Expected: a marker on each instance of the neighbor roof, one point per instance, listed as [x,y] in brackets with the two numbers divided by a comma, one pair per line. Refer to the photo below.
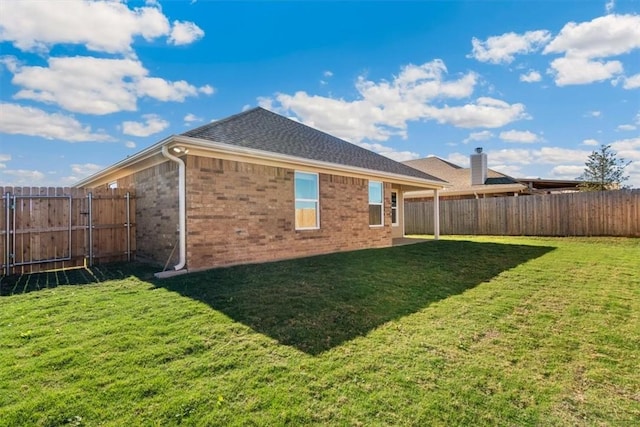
[264,130]
[460,178]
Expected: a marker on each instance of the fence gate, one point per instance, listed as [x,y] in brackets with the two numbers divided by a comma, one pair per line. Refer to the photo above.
[53,228]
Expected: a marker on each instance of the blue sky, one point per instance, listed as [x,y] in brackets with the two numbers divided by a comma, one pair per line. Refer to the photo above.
[538,84]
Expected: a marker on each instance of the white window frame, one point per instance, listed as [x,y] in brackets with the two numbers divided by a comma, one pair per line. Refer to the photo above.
[394,208]
[381,204]
[316,200]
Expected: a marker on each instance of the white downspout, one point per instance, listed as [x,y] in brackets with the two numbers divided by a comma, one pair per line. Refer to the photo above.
[436,215]
[182,211]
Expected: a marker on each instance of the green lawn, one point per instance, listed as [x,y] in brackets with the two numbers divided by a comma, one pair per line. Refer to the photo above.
[463,331]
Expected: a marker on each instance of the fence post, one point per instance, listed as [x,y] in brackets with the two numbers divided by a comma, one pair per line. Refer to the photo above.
[90,227]
[7,246]
[128,225]
[436,215]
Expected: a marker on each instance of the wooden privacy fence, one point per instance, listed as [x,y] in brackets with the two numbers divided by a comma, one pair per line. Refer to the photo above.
[46,228]
[603,213]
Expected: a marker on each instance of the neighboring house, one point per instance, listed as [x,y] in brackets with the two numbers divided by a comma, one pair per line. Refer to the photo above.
[550,186]
[258,187]
[478,181]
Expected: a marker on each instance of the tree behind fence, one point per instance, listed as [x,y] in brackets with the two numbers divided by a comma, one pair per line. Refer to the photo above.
[602,213]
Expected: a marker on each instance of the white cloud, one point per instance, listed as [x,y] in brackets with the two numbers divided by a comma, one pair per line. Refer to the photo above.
[4,158]
[511,170]
[459,159]
[19,120]
[627,149]
[191,118]
[207,89]
[164,90]
[572,70]
[152,125]
[501,49]
[103,26]
[570,172]
[86,169]
[22,177]
[586,45]
[485,112]
[384,108]
[130,144]
[184,33]
[599,38]
[594,113]
[609,6]
[626,127]
[632,82]
[95,85]
[590,142]
[544,156]
[398,156]
[554,155]
[327,75]
[388,151]
[524,137]
[78,172]
[531,77]
[478,136]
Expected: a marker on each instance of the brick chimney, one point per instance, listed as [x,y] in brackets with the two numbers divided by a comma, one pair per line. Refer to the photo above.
[478,167]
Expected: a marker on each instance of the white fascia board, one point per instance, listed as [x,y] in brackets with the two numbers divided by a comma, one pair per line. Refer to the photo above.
[147,153]
[211,147]
[296,162]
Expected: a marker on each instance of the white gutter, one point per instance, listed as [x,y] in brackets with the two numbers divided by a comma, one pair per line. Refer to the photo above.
[182,216]
[200,146]
[220,147]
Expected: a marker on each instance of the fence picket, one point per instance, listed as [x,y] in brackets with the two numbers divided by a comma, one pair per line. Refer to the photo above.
[49,224]
[606,213]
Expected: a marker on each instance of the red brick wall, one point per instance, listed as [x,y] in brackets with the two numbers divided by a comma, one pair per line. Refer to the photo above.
[156,212]
[244,213]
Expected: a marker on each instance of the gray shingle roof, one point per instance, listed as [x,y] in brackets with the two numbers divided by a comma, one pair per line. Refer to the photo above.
[460,178]
[261,129]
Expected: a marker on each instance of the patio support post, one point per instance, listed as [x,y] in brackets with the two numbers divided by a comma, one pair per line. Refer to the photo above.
[436,215]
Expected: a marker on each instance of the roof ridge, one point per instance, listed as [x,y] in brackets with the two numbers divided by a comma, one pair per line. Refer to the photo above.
[223,120]
[266,130]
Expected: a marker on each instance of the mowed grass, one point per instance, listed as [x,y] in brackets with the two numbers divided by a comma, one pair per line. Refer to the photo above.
[463,331]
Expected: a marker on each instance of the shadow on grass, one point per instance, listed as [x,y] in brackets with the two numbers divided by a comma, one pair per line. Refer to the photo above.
[317,303]
[24,283]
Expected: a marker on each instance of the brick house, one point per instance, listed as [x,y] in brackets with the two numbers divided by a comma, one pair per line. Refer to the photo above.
[258,187]
[475,182]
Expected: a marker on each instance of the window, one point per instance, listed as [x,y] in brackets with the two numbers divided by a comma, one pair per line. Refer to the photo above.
[307,209]
[394,208]
[375,203]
